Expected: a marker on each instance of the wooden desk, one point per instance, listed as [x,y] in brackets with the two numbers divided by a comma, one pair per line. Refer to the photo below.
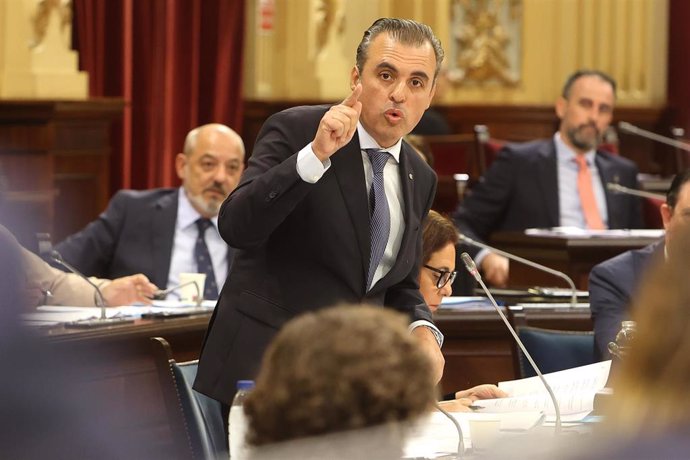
[116,363]
[479,349]
[575,256]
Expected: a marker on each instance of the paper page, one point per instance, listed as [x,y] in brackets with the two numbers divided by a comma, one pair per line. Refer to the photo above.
[574,389]
[435,435]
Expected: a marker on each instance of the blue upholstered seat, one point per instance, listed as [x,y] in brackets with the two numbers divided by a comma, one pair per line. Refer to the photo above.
[554,350]
[195,419]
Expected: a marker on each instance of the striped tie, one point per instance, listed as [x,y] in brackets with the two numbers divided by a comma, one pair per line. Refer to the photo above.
[380,218]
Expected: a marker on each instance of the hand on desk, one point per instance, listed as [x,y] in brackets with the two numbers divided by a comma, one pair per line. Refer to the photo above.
[128,290]
[465,398]
[495,270]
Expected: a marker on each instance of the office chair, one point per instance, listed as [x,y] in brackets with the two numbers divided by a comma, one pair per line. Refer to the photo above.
[554,350]
[195,419]
[453,154]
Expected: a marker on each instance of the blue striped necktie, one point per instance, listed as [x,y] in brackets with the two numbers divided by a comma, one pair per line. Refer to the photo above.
[379,214]
[203,259]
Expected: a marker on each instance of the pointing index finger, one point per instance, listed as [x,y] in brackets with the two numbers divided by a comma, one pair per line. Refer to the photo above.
[352,99]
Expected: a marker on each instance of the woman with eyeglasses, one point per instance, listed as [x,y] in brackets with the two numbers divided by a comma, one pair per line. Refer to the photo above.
[439,237]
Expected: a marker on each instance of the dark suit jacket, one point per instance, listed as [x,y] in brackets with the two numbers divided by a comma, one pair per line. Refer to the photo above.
[133,235]
[302,246]
[520,190]
[611,286]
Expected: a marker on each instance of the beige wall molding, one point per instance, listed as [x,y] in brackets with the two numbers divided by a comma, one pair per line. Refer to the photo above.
[309,52]
[36,61]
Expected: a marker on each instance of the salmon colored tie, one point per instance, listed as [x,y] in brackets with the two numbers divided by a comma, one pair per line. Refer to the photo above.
[586,191]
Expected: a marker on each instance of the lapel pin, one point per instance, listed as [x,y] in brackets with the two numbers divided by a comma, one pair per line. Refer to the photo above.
[410,176]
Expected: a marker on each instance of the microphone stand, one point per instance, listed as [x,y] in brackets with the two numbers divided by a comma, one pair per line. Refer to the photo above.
[472,269]
[573,296]
[618,188]
[100,301]
[160,294]
[461,440]
[632,129]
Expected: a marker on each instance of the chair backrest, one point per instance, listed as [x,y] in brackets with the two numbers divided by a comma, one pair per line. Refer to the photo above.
[195,419]
[487,148]
[452,154]
[554,350]
[651,212]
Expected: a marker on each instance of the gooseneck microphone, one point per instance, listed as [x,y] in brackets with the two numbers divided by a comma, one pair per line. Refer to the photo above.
[632,129]
[477,244]
[161,293]
[461,440]
[100,300]
[472,269]
[618,188]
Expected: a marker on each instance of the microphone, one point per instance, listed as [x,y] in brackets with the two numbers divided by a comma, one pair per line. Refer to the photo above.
[461,440]
[632,129]
[471,242]
[100,300]
[161,293]
[472,269]
[618,188]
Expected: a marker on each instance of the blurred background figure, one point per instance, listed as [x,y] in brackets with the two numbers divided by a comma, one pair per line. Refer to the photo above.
[612,283]
[167,231]
[334,371]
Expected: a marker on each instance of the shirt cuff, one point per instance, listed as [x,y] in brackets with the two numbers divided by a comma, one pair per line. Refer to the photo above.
[434,330]
[309,167]
[479,258]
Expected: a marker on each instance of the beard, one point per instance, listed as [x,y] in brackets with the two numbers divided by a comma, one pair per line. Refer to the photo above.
[582,141]
[210,206]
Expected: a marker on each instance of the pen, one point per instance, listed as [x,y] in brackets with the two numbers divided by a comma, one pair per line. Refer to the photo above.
[473,408]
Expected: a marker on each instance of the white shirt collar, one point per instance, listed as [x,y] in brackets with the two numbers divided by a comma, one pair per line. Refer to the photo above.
[566,153]
[186,214]
[368,142]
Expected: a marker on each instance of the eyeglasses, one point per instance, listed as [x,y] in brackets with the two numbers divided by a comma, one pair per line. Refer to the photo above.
[444,276]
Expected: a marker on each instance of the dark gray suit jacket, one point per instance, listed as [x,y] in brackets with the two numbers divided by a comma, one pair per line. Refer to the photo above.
[612,284]
[520,190]
[301,246]
[133,235]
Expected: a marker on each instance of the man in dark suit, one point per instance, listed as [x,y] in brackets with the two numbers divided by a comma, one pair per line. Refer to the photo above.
[300,218]
[613,283]
[555,182]
[155,232]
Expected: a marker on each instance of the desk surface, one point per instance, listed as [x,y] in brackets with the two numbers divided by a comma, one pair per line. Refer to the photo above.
[572,255]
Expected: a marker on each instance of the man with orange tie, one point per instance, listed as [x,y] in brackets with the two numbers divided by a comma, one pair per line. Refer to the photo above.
[555,182]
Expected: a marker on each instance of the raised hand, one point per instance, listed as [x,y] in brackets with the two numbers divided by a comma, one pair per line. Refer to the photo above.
[338,125]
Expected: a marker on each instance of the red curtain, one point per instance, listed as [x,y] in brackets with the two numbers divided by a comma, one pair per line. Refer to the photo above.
[176,63]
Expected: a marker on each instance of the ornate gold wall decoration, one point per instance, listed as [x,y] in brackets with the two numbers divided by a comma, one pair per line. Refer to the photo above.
[330,22]
[486,42]
[41,18]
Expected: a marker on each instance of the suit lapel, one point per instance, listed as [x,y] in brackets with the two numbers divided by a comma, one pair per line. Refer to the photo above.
[162,236]
[607,173]
[547,174]
[349,171]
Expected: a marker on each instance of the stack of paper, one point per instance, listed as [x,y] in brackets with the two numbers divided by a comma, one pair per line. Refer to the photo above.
[574,389]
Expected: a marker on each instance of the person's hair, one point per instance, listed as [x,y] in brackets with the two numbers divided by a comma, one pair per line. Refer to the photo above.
[568,86]
[190,140]
[338,369]
[674,189]
[404,31]
[651,385]
[438,232]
